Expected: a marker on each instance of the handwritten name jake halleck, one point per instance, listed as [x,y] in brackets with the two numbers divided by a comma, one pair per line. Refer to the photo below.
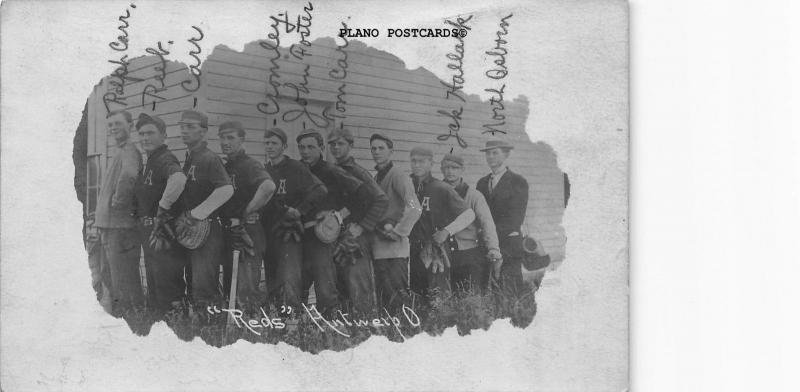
[339,323]
[403,33]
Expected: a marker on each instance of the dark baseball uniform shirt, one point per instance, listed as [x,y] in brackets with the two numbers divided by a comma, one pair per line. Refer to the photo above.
[246,175]
[440,205]
[295,187]
[204,173]
[150,185]
[367,215]
[344,190]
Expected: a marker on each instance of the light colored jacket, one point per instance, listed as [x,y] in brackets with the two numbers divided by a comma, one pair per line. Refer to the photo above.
[483,224]
[403,208]
[115,201]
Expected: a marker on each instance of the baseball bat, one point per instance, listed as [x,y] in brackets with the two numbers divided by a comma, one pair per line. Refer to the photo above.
[234,281]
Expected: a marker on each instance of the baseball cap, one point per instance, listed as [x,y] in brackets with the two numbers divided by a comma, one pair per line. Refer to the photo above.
[311,132]
[194,117]
[421,151]
[378,136]
[144,119]
[277,132]
[453,158]
[341,133]
[229,126]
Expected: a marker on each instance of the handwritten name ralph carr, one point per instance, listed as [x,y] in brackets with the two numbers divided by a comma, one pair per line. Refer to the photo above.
[340,322]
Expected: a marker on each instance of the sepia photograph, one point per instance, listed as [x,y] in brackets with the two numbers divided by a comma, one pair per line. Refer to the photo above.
[324,180]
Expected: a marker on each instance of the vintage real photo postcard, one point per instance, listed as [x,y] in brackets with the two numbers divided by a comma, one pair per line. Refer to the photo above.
[333,195]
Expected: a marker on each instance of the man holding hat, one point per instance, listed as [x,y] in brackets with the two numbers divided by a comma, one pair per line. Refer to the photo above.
[208,187]
[506,193]
[119,237]
[157,189]
[357,280]
[252,189]
[354,204]
[444,213]
[296,195]
[470,257]
[390,245]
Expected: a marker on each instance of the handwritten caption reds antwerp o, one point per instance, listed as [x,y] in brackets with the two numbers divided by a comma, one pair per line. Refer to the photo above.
[339,323]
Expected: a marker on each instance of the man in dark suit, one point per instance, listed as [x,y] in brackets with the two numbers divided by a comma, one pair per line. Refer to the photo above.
[506,193]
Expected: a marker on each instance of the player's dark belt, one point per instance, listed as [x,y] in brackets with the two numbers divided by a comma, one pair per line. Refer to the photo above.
[146,221]
[251,219]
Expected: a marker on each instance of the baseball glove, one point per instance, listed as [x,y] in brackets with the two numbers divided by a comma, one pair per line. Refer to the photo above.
[190,232]
[347,250]
[434,255]
[241,240]
[328,227]
[162,235]
[289,228]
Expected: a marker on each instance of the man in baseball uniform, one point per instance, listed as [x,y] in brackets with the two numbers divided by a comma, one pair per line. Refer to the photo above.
[475,247]
[114,218]
[252,189]
[506,193]
[357,280]
[157,189]
[444,213]
[208,187]
[390,244]
[345,192]
[297,192]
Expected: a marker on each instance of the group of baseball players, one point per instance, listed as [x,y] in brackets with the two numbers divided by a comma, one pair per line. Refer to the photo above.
[362,242]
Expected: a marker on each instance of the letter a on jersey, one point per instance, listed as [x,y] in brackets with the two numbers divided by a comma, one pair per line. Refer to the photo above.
[281,187]
[190,174]
[426,203]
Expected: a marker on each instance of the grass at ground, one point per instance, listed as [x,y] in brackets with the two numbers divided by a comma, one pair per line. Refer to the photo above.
[313,332]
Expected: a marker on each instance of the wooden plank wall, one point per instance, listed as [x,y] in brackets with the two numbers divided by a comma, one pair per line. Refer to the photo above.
[381,96]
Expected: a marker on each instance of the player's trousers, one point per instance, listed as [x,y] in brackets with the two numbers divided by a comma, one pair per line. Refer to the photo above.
[391,283]
[470,270]
[283,265]
[511,271]
[423,280]
[205,262]
[319,270]
[356,285]
[121,250]
[163,269]
[249,273]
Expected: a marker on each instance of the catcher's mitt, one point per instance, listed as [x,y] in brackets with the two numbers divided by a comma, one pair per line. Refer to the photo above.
[328,227]
[347,250]
[190,232]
